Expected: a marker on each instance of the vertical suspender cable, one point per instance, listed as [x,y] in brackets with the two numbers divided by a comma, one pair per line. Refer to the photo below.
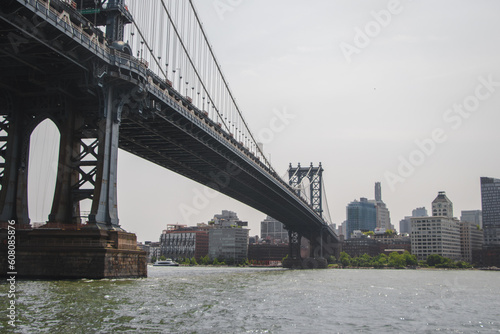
[227,87]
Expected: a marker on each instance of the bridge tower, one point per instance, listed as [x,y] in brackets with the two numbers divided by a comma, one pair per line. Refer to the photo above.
[315,175]
[112,13]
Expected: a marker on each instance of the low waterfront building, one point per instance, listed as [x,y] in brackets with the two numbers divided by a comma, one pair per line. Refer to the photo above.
[358,246]
[182,242]
[152,249]
[393,243]
[266,253]
[228,243]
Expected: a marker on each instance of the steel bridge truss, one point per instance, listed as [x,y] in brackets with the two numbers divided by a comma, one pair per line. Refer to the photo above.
[314,175]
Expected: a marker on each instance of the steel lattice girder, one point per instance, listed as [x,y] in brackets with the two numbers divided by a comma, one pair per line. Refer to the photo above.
[314,174]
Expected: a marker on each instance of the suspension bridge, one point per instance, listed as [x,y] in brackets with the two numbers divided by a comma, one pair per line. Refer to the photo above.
[142,77]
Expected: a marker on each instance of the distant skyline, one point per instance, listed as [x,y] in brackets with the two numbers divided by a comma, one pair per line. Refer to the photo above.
[404,93]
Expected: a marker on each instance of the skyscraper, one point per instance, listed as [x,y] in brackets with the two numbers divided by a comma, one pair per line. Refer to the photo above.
[490,200]
[383,214]
[378,192]
[361,215]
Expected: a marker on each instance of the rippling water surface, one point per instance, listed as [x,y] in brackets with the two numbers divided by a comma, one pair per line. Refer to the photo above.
[249,300]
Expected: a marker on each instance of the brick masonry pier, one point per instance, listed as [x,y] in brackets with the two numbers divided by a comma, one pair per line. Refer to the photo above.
[86,253]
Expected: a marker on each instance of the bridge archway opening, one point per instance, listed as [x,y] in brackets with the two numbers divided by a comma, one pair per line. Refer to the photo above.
[42,170]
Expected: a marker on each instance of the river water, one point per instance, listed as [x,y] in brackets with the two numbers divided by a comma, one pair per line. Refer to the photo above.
[257,300]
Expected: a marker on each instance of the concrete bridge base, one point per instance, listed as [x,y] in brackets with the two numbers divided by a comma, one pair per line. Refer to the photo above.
[61,254]
[307,263]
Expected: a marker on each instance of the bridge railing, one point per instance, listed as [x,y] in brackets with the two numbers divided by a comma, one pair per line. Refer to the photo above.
[62,20]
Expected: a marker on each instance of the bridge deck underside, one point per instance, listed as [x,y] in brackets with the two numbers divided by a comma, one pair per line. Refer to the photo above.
[179,145]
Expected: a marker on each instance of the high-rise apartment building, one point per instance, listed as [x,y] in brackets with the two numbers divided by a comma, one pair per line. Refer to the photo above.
[438,234]
[471,239]
[273,230]
[227,219]
[435,235]
[226,237]
[473,217]
[419,212]
[361,215]
[405,224]
[228,243]
[490,202]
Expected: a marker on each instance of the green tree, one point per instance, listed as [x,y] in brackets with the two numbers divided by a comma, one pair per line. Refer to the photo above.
[435,259]
[411,260]
[193,262]
[396,260]
[331,259]
[205,260]
[245,263]
[153,259]
[463,264]
[345,259]
[423,264]
[379,261]
[390,232]
[364,260]
[162,258]
[446,263]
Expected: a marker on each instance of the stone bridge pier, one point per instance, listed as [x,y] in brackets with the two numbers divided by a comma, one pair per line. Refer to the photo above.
[70,245]
[310,253]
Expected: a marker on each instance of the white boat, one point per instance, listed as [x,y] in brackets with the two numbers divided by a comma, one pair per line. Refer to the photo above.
[165,263]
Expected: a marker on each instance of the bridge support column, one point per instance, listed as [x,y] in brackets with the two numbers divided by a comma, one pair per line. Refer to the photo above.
[71,177]
[14,149]
[322,246]
[104,211]
[294,259]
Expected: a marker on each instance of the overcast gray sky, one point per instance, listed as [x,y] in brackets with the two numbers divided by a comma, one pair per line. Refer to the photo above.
[402,92]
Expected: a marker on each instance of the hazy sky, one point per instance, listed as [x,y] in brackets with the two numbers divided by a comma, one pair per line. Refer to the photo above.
[402,92]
